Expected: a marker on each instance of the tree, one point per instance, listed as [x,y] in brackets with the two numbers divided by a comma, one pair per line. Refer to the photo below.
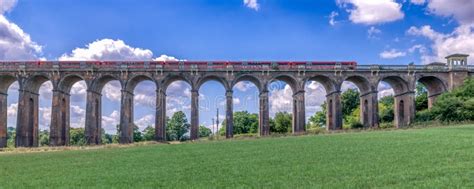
[77,136]
[137,135]
[386,113]
[44,138]
[350,101]
[177,126]
[204,131]
[457,105]
[149,133]
[319,118]
[282,123]
[421,98]
[244,122]
[11,134]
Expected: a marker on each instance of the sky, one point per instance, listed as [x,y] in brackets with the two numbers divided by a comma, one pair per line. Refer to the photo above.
[366,31]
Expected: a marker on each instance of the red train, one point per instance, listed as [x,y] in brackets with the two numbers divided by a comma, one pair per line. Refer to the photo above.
[189,65]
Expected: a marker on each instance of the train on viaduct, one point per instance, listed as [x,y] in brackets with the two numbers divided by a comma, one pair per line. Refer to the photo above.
[437,77]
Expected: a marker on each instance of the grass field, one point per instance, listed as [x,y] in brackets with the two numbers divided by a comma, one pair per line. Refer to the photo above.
[441,157]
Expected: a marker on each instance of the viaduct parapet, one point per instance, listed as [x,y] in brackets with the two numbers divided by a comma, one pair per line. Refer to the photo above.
[437,77]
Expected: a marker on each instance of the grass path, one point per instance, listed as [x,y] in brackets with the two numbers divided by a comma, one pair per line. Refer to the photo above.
[440,157]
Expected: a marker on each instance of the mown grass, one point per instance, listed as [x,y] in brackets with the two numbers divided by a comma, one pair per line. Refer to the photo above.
[441,157]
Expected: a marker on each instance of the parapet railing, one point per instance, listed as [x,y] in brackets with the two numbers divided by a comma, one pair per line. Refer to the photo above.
[217,66]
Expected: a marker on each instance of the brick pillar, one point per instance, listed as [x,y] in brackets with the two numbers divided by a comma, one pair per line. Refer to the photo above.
[27,119]
[160,118]
[299,119]
[264,114]
[334,111]
[3,120]
[194,114]
[126,118]
[404,109]
[229,116]
[369,109]
[59,128]
[94,118]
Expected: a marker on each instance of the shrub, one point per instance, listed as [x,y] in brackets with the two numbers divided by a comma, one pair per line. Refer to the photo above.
[424,115]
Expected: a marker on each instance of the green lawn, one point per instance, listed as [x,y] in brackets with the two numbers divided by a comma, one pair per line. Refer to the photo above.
[440,157]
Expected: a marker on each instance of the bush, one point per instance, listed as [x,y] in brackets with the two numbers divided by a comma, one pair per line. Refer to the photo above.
[356,125]
[385,125]
[424,115]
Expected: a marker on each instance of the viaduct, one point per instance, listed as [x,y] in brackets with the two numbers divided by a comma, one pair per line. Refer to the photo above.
[437,77]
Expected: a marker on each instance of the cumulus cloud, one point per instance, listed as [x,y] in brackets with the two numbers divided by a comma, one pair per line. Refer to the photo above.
[12,110]
[164,57]
[332,18]
[44,118]
[461,10]
[7,5]
[391,54]
[461,40]
[418,2]
[373,31]
[110,122]
[253,4]
[112,91]
[15,44]
[244,86]
[108,49]
[145,121]
[371,12]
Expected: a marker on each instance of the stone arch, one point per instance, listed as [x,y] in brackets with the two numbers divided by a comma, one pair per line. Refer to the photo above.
[66,82]
[217,78]
[404,100]
[398,84]
[136,79]
[288,79]
[99,83]
[361,82]
[328,83]
[172,78]
[435,87]
[249,78]
[34,82]
[5,82]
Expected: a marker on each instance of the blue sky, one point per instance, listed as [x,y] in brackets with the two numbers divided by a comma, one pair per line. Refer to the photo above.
[367,31]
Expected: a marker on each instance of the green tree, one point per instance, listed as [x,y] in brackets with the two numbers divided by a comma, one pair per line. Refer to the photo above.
[421,98]
[282,123]
[11,134]
[204,131]
[457,105]
[149,133]
[244,122]
[77,136]
[44,138]
[319,118]
[386,113]
[137,135]
[350,101]
[177,126]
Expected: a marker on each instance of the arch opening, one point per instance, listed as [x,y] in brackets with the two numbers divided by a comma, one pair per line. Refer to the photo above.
[9,87]
[282,119]
[177,109]
[212,108]
[245,108]
[144,110]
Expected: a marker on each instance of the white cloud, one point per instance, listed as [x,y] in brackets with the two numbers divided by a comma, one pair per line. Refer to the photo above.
[332,17]
[164,57]
[44,118]
[145,121]
[372,11]
[418,2]
[244,86]
[393,53]
[12,110]
[15,44]
[373,31]
[110,122]
[461,40]
[112,91]
[384,89]
[461,10]
[253,4]
[108,49]
[7,5]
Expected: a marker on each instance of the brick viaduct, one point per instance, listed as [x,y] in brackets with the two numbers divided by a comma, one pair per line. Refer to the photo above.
[437,77]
